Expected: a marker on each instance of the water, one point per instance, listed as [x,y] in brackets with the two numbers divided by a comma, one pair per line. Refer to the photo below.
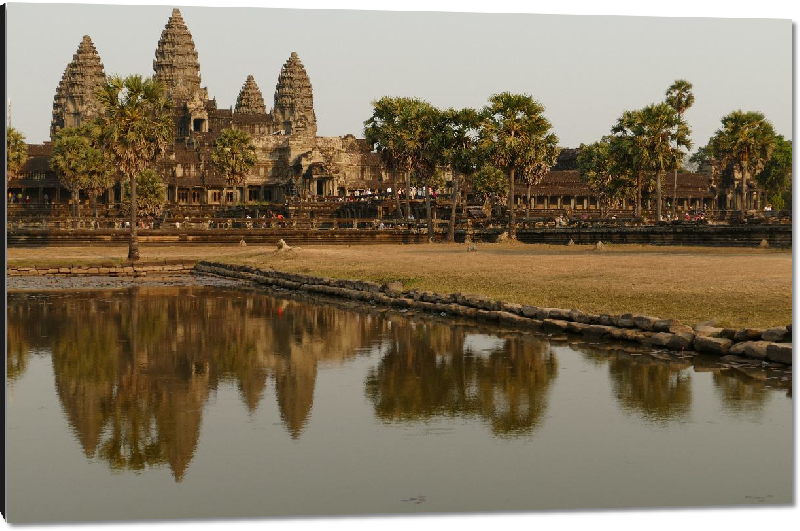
[208,402]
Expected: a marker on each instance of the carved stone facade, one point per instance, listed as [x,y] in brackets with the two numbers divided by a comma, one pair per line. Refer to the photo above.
[76,101]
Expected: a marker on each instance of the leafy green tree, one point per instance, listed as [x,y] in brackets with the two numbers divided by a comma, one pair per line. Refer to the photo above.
[512,133]
[16,151]
[596,166]
[490,183]
[776,177]
[136,128]
[746,140]
[547,151]
[629,158]
[680,97]
[81,164]
[234,155]
[151,194]
[70,162]
[431,144]
[462,153]
[382,131]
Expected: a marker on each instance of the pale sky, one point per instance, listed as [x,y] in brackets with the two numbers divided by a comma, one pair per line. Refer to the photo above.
[585,69]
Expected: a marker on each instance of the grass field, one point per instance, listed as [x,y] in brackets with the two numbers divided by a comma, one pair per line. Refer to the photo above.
[733,286]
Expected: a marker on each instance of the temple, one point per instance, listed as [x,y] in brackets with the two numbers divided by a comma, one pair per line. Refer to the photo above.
[293,162]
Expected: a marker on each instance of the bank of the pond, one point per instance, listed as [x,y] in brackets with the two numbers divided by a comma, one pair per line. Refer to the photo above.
[773,344]
[735,287]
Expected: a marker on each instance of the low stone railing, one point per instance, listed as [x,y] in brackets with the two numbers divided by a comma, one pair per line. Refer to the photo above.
[125,269]
[772,344]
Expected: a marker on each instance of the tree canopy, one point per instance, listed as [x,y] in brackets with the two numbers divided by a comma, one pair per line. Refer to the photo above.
[16,151]
[234,155]
[746,140]
[514,134]
[136,128]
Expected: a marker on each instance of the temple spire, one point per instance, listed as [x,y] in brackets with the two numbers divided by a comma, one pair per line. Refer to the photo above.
[294,101]
[250,100]
[76,100]
[176,64]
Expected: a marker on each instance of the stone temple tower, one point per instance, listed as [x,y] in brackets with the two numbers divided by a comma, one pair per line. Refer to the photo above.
[76,100]
[250,100]
[176,64]
[294,102]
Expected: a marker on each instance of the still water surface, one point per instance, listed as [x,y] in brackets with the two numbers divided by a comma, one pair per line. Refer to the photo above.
[209,402]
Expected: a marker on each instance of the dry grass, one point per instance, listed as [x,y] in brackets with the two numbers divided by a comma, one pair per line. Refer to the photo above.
[735,287]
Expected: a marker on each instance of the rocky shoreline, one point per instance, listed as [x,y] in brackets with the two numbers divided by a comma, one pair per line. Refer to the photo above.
[770,345]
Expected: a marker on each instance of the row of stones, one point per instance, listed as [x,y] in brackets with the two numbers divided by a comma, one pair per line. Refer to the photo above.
[111,270]
[646,330]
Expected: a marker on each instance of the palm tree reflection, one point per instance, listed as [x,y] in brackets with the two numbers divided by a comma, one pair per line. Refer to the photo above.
[438,370]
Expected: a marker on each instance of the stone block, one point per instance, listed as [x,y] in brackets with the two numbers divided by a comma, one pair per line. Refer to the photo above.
[605,319]
[554,325]
[712,345]
[776,335]
[599,330]
[780,352]
[748,334]
[623,321]
[530,311]
[751,349]
[644,322]
[511,307]
[707,331]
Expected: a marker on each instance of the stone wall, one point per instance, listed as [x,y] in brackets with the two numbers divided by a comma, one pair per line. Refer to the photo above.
[125,269]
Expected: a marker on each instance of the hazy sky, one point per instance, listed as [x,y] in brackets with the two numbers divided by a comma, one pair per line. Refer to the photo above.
[585,69]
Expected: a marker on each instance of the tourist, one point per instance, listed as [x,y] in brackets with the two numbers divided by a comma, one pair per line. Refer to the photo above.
[46,199]
[10,198]
[27,199]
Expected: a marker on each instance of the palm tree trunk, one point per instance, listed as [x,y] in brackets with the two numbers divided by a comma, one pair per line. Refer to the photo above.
[428,213]
[396,193]
[744,193]
[512,218]
[133,245]
[674,193]
[528,210]
[451,228]
[76,207]
[658,195]
[408,195]
[639,195]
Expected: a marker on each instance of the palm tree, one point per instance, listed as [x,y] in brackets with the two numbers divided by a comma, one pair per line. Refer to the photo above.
[660,128]
[16,151]
[746,139]
[234,155]
[382,132]
[136,127]
[513,127]
[679,96]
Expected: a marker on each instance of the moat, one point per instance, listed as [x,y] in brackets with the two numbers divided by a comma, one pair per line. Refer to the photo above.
[158,402]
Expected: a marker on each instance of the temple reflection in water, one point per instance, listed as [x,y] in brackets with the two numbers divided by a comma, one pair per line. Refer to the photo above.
[135,369]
